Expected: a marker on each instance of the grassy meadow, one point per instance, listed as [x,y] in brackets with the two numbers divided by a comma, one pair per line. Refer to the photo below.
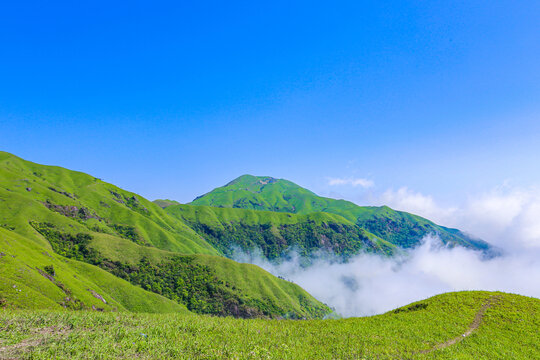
[508,330]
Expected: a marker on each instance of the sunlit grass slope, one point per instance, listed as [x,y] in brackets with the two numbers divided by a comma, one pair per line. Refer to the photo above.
[26,187]
[267,193]
[274,233]
[70,239]
[24,283]
[507,330]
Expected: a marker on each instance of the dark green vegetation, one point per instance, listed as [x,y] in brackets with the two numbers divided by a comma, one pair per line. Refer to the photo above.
[178,278]
[507,329]
[274,233]
[69,240]
[312,221]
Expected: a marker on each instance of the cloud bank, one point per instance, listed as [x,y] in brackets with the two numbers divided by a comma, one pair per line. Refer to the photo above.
[371,284]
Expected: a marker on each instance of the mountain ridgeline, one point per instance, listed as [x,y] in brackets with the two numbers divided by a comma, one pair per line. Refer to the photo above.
[275,214]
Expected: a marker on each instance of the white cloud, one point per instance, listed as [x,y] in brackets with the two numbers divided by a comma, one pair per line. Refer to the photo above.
[365,183]
[371,284]
[508,217]
[505,216]
[416,203]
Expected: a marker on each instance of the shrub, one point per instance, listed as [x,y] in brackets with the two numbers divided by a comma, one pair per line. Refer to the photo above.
[49,269]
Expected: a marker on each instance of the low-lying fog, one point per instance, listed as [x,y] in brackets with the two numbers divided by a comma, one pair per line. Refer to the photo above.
[371,284]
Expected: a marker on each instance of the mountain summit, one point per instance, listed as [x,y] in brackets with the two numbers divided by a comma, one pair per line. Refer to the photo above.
[261,193]
[400,228]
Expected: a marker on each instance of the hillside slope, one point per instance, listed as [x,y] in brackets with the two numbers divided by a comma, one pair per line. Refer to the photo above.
[266,193]
[90,229]
[56,194]
[33,277]
[275,233]
[462,325]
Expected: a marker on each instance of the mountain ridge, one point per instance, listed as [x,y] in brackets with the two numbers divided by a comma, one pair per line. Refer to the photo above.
[265,193]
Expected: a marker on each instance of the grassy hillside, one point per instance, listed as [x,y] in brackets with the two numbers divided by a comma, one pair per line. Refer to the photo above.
[276,232]
[96,233]
[463,325]
[33,277]
[51,193]
[266,193]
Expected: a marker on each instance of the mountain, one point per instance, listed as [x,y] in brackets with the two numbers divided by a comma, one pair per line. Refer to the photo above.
[263,193]
[70,240]
[266,193]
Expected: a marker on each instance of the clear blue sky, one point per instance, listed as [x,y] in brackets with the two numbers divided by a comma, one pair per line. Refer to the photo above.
[171,99]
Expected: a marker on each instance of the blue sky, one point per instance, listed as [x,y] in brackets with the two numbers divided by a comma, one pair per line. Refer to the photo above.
[171,99]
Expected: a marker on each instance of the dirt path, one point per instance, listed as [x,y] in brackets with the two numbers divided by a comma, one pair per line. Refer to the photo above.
[474,325]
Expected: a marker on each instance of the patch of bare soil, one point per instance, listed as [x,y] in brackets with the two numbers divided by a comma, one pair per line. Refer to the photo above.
[38,337]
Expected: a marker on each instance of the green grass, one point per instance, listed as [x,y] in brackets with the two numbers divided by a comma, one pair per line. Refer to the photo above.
[22,286]
[509,331]
[109,205]
[266,193]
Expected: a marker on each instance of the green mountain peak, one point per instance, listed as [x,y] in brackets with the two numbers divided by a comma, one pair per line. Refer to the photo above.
[258,193]
[279,195]
[255,183]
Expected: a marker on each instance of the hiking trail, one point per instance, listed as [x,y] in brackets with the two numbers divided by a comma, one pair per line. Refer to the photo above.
[474,325]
